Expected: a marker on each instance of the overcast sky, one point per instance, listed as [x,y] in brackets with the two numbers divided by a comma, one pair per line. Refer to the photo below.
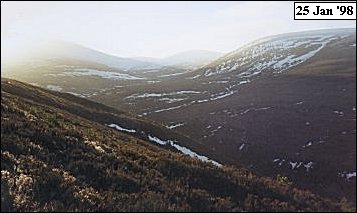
[154,29]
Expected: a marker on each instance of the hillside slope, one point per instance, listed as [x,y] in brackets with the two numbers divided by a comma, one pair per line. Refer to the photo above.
[56,154]
[289,99]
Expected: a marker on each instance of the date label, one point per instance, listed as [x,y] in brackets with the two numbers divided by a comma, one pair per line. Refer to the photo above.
[325,10]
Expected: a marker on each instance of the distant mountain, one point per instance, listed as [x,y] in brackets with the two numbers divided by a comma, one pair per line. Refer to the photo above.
[63,153]
[192,58]
[188,59]
[29,51]
[54,50]
[274,54]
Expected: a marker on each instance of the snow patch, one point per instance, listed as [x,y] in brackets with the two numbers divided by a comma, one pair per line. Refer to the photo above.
[77,94]
[54,87]
[151,95]
[255,109]
[173,74]
[175,125]
[347,175]
[170,108]
[202,101]
[340,113]
[293,164]
[308,144]
[35,84]
[194,77]
[157,140]
[308,166]
[171,100]
[100,73]
[152,82]
[183,150]
[276,160]
[121,128]
[222,95]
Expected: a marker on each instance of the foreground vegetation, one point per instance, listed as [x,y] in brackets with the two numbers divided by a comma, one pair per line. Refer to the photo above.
[53,159]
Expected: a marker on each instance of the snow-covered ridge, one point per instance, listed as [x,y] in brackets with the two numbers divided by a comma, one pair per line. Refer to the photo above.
[276,55]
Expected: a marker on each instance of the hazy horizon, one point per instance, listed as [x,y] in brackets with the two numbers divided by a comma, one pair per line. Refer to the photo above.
[152,29]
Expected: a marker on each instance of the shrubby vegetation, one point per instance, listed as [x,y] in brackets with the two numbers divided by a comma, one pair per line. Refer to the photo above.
[54,160]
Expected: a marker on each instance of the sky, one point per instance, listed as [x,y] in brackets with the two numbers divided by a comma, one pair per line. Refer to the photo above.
[153,29]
